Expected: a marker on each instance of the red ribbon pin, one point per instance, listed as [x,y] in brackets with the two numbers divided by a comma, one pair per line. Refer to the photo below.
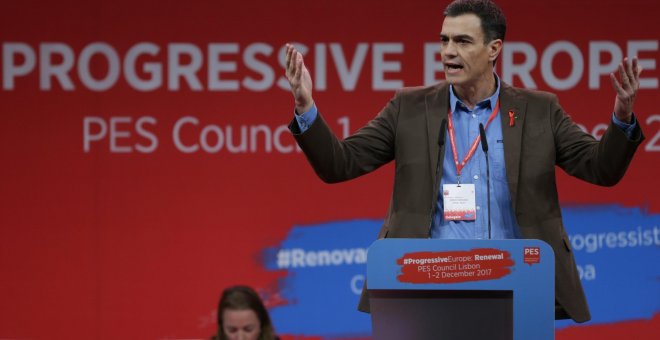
[512,118]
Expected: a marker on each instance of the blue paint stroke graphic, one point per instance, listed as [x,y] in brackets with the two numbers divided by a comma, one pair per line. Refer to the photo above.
[617,250]
[326,266]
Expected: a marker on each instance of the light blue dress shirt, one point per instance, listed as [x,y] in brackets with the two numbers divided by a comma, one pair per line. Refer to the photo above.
[466,128]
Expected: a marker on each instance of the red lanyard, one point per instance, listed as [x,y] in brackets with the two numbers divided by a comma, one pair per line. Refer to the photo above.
[473,148]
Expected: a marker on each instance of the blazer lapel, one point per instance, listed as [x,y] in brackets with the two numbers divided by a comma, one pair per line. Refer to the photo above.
[512,135]
[437,104]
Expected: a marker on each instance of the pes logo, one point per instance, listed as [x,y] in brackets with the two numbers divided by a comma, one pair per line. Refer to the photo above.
[531,255]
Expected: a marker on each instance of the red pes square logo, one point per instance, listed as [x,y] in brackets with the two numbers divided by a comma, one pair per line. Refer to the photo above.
[531,255]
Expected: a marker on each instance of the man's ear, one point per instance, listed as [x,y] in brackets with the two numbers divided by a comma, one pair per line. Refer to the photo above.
[494,49]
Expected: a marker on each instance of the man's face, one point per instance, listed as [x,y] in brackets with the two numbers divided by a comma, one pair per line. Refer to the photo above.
[465,57]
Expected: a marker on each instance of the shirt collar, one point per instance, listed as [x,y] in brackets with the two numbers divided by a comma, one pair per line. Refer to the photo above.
[492,100]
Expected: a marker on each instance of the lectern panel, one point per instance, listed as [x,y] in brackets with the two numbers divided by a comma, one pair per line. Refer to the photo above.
[442,315]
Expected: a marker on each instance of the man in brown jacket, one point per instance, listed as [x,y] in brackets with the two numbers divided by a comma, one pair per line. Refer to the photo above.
[528,131]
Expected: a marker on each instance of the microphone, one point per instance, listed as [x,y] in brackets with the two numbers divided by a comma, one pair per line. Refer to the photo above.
[484,141]
[441,143]
[484,147]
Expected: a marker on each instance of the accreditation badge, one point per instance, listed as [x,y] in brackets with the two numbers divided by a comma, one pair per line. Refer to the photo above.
[459,202]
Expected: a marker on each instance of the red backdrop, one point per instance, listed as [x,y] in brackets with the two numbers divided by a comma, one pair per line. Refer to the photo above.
[109,230]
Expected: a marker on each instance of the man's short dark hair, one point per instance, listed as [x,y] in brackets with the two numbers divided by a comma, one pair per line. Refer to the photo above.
[493,22]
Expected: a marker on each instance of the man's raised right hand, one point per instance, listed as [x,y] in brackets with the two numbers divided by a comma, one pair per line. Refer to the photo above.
[299,79]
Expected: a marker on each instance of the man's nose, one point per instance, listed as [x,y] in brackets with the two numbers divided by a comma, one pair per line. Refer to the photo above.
[448,49]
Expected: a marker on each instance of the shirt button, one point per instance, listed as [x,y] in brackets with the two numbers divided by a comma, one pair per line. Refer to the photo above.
[476,176]
[474,115]
[478,208]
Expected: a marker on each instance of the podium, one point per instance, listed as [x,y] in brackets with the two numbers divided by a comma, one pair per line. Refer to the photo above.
[423,289]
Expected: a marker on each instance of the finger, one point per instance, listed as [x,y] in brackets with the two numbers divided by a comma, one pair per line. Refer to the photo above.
[287,59]
[299,66]
[637,69]
[292,56]
[625,82]
[629,69]
[289,55]
[617,87]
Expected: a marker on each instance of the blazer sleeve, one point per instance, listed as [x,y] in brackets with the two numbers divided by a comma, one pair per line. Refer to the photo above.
[366,150]
[601,162]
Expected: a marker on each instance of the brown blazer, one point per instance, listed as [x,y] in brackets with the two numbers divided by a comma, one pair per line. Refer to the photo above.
[543,136]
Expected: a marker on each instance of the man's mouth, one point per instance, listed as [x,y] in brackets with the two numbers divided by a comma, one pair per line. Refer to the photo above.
[453,67]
